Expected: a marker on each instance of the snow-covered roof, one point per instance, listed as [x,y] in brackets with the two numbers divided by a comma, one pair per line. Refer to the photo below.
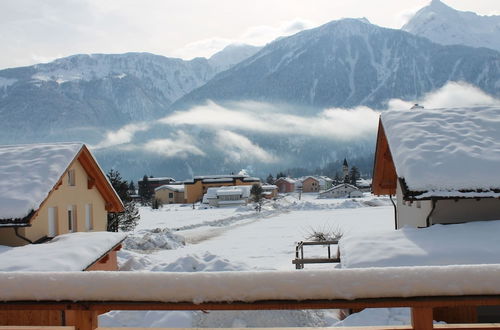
[445,152]
[173,187]
[363,182]
[68,252]
[29,172]
[160,179]
[340,186]
[269,187]
[213,192]
[289,180]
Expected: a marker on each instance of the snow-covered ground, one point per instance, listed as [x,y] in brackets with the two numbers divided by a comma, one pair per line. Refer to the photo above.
[178,238]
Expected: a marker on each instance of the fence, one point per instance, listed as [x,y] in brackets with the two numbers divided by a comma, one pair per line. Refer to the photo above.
[78,298]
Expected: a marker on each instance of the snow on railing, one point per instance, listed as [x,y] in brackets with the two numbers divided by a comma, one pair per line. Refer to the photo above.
[346,284]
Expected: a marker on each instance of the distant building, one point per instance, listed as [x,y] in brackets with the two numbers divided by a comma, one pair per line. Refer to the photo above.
[227,196]
[310,184]
[170,194]
[199,185]
[148,186]
[269,191]
[285,185]
[343,190]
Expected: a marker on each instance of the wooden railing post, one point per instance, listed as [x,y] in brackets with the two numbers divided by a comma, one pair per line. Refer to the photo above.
[421,318]
[82,319]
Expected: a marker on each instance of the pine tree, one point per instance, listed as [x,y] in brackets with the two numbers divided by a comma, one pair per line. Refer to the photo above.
[354,175]
[270,179]
[131,188]
[256,192]
[280,175]
[128,219]
[144,191]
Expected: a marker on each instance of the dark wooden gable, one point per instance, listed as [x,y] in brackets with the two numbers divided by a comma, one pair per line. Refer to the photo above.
[384,171]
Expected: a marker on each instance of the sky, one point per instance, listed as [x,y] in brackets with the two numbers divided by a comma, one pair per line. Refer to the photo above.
[35,31]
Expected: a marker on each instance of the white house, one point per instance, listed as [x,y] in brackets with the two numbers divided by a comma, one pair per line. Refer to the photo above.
[342,190]
[227,195]
[442,165]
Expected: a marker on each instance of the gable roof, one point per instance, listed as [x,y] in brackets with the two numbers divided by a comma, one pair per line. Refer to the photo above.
[68,252]
[439,153]
[29,173]
[171,187]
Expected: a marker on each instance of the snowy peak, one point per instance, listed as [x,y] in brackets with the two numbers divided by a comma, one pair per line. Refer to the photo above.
[232,55]
[445,25]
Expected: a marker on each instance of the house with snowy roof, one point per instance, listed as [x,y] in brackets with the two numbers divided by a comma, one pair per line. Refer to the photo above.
[343,190]
[285,185]
[227,196]
[48,190]
[310,184]
[441,164]
[199,185]
[170,194]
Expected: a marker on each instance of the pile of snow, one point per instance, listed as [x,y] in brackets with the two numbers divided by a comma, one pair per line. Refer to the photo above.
[459,244]
[68,252]
[29,172]
[291,203]
[153,239]
[206,263]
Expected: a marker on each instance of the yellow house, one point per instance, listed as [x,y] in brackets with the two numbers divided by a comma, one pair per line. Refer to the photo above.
[170,194]
[194,190]
[52,189]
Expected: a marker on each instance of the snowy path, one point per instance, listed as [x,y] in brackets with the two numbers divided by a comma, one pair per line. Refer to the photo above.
[236,239]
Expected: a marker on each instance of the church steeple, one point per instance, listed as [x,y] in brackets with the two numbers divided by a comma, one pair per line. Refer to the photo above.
[345,170]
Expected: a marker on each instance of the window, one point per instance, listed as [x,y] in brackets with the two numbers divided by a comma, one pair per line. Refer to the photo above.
[89,217]
[52,222]
[72,218]
[170,195]
[71,177]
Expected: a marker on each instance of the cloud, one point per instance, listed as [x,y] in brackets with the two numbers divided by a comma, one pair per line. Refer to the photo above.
[239,148]
[255,35]
[451,95]
[181,145]
[271,119]
[122,136]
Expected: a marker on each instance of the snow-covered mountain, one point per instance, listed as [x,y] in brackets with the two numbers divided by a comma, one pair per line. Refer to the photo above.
[232,55]
[97,90]
[445,25]
[347,63]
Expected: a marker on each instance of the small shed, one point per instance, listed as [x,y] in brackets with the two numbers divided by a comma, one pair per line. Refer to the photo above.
[441,164]
[269,191]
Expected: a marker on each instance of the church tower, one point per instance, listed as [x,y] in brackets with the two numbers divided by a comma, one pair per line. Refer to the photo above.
[345,170]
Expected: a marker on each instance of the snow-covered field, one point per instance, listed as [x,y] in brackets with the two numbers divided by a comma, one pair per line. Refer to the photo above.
[178,238]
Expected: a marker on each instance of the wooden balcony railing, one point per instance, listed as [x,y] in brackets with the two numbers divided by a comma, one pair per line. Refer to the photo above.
[76,299]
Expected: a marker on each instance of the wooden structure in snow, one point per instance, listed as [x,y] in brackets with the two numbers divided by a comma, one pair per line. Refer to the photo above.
[428,302]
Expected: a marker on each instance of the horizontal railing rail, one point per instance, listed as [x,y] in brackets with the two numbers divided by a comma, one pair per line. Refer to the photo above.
[76,299]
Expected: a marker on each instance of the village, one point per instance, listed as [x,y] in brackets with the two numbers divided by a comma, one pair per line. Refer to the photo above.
[431,191]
